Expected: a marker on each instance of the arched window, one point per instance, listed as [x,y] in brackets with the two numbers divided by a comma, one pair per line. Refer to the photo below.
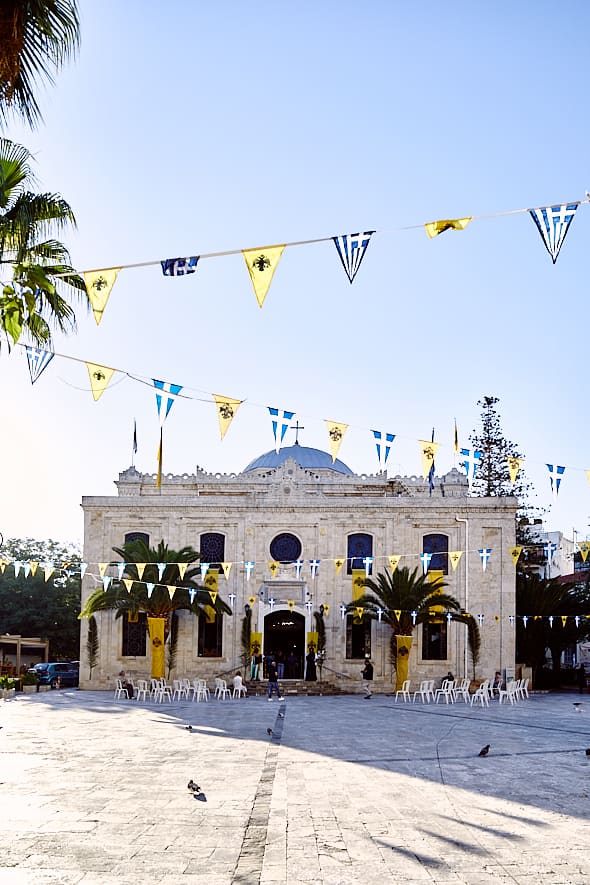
[438,545]
[285,547]
[434,641]
[212,548]
[137,536]
[360,545]
[134,636]
[210,635]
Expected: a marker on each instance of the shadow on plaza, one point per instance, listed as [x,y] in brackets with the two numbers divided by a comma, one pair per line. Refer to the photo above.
[537,758]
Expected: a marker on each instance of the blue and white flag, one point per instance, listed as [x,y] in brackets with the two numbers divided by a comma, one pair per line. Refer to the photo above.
[178,267]
[249,566]
[168,394]
[280,419]
[298,567]
[553,223]
[485,555]
[383,442]
[38,360]
[314,565]
[351,249]
[425,560]
[204,569]
[550,547]
[150,588]
[471,461]
[555,475]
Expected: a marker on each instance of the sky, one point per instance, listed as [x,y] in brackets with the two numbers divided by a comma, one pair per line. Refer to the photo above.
[187,128]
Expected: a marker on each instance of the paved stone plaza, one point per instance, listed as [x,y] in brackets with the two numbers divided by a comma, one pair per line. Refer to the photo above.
[344,791]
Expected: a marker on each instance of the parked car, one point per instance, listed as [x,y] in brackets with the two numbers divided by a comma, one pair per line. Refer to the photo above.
[62,673]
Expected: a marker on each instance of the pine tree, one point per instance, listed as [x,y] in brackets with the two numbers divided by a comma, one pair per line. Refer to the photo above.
[92,645]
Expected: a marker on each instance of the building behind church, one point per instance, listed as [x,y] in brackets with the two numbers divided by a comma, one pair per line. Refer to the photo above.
[299,509]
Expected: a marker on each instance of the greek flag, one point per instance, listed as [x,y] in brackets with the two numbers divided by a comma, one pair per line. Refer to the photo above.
[389,438]
[282,418]
[166,388]
[555,475]
[38,360]
[471,461]
[553,223]
[485,555]
[351,249]
[550,547]
[178,267]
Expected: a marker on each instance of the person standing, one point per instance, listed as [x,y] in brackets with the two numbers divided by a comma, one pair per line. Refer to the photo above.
[273,681]
[367,676]
[310,671]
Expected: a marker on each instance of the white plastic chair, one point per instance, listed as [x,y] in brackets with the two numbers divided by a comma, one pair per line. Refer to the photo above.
[510,692]
[142,691]
[524,688]
[445,691]
[424,691]
[200,690]
[482,695]
[120,692]
[404,691]
[240,689]
[462,691]
[223,691]
[163,692]
[178,690]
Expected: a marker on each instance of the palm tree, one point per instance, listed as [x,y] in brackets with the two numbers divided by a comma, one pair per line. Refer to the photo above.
[37,37]
[159,603]
[403,599]
[40,265]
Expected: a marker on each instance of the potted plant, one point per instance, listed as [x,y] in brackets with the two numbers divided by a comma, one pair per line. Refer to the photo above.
[6,686]
[30,683]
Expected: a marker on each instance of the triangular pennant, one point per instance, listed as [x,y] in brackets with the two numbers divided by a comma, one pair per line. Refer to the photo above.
[291,604]
[3,564]
[280,424]
[553,224]
[428,450]
[455,556]
[394,561]
[249,567]
[563,620]
[226,567]
[358,612]
[261,264]
[485,555]
[140,566]
[213,595]
[171,590]
[314,565]
[99,284]
[38,360]
[35,566]
[471,461]
[106,582]
[338,563]
[515,554]
[397,612]
[204,569]
[513,468]
[150,589]
[182,567]
[17,565]
[166,394]
[83,567]
[226,411]
[120,569]
[298,566]
[179,267]
[584,547]
[273,567]
[555,475]
[48,570]
[128,584]
[102,567]
[27,569]
[434,228]
[99,379]
[336,433]
[351,249]
[425,560]
[161,569]
[383,442]
[588,476]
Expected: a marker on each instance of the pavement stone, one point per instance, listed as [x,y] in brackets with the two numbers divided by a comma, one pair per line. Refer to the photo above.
[93,791]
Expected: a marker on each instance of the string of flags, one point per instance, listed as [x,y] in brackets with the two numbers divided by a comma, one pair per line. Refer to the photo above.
[552,222]
[167,393]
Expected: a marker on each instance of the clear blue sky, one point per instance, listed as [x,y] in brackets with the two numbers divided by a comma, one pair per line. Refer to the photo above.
[185,128]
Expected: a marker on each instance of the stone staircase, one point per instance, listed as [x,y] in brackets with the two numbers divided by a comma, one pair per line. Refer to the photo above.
[298,687]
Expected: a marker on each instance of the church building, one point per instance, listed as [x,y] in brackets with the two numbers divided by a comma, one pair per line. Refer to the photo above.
[286,534]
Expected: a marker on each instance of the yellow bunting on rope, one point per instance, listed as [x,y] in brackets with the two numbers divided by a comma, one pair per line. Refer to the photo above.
[326,608]
[336,432]
[513,468]
[34,567]
[584,548]
[226,566]
[261,264]
[434,228]
[171,590]
[515,554]
[226,411]
[455,556]
[563,620]
[358,613]
[428,450]
[99,379]
[273,568]
[102,567]
[338,563]
[397,612]
[394,562]
[99,284]
[182,567]
[48,571]
[291,604]
[140,569]
[128,584]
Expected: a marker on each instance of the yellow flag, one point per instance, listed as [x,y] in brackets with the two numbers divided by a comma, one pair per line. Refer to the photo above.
[291,604]
[209,614]
[428,451]
[338,563]
[255,643]
[99,379]
[226,410]
[273,567]
[312,641]
[397,612]
[48,571]
[156,631]
[261,264]
[171,590]
[336,433]
[358,583]
[434,228]
[35,566]
[455,556]
[3,564]
[358,613]
[563,620]
[513,468]
[226,566]
[182,567]
[251,600]
[583,545]
[394,562]
[98,285]
[515,554]
[326,609]
[102,567]
[140,566]
[128,584]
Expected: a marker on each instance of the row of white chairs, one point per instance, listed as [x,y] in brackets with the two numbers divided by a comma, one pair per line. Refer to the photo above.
[159,691]
[453,690]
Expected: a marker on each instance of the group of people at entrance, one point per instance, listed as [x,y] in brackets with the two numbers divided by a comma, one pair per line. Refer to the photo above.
[288,667]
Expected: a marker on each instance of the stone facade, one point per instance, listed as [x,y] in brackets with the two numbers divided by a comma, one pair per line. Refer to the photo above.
[320,507]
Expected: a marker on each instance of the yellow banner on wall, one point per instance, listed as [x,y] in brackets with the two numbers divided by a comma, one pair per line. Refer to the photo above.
[255,643]
[358,583]
[312,641]
[156,633]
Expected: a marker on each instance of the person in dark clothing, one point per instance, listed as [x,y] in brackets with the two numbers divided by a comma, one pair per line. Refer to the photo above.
[273,681]
[367,675]
[310,671]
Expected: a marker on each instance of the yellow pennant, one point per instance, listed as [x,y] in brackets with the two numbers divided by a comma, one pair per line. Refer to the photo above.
[273,567]
[397,612]
[226,410]
[128,584]
[394,562]
[226,566]
[428,451]
[583,545]
[182,567]
[102,567]
[156,631]
[513,468]
[291,604]
[358,583]
[255,643]
[98,285]
[358,613]
[35,566]
[99,379]
[434,228]
[251,600]
[261,264]
[48,571]
[326,609]
[171,590]
[338,563]
[312,640]
[455,556]
[336,433]
[3,564]
[140,566]
[563,620]
[515,554]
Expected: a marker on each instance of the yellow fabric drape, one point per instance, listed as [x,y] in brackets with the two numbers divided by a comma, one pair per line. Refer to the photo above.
[358,583]
[403,646]
[156,633]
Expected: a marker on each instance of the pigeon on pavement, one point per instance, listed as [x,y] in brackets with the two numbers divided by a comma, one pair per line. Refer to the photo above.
[484,750]
[269,731]
[195,788]
[588,752]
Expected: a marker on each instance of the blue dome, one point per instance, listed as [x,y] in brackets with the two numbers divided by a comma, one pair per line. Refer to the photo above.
[311,459]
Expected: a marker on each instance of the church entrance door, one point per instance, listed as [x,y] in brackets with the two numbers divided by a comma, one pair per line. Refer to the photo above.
[284,639]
